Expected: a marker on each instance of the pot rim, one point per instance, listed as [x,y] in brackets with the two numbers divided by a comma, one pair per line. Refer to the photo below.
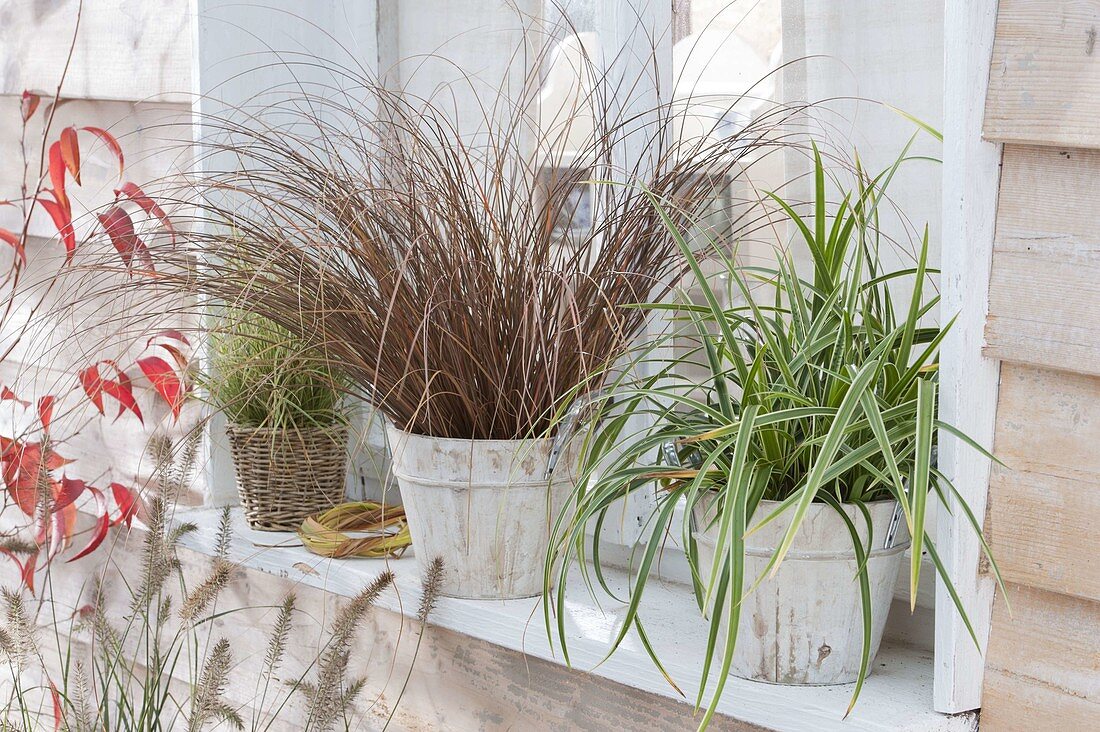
[701,535]
[405,434]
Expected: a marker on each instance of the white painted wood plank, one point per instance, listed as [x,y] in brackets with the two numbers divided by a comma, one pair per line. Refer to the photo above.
[895,697]
[968,395]
[130,50]
[1043,502]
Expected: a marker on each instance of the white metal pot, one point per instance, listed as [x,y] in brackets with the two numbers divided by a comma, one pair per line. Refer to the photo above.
[805,624]
[484,506]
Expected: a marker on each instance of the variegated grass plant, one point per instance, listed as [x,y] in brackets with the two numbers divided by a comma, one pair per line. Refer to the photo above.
[261,375]
[818,390]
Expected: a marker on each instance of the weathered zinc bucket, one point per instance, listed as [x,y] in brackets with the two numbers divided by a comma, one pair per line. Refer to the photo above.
[805,624]
[485,506]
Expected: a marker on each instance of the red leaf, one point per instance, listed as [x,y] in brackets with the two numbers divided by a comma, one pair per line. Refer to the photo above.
[26,569]
[111,143]
[103,523]
[84,612]
[164,380]
[21,465]
[57,716]
[62,220]
[70,152]
[71,488]
[120,228]
[57,177]
[27,575]
[123,392]
[177,355]
[28,104]
[92,383]
[170,333]
[95,386]
[128,502]
[56,531]
[135,194]
[6,394]
[16,244]
[45,411]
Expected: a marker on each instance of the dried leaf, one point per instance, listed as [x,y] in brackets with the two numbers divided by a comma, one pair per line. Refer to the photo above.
[28,104]
[305,568]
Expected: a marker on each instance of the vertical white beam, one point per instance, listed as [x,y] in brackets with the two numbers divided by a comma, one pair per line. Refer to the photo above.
[636,48]
[968,396]
[239,53]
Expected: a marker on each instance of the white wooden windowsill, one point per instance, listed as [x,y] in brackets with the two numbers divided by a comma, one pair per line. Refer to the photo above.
[897,696]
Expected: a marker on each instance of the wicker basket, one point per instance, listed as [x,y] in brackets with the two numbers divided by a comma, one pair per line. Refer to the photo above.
[285,475]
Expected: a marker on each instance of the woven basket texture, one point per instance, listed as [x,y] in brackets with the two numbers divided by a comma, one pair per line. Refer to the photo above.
[286,474]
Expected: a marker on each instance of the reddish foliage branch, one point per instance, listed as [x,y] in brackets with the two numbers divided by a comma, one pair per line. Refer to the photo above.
[31,469]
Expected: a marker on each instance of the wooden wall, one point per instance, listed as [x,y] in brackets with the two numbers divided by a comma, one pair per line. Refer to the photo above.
[130,73]
[1043,659]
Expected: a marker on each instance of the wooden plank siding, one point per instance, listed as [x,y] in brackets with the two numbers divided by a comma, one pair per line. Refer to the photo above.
[1043,657]
[1043,669]
[1044,500]
[1044,82]
[1044,293]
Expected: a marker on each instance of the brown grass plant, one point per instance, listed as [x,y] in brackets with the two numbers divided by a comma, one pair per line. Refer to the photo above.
[416,252]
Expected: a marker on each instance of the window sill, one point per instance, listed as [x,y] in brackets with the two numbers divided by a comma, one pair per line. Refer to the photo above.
[897,696]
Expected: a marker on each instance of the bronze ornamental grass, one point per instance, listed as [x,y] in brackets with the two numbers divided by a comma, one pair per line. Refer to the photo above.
[418,258]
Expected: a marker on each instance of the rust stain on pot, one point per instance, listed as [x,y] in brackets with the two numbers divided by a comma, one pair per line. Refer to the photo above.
[759,625]
[823,653]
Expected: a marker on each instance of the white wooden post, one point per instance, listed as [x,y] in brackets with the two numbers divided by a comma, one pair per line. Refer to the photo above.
[636,49]
[968,395]
[239,49]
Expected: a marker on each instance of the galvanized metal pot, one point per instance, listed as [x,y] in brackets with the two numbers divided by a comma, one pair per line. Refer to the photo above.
[804,625]
[485,506]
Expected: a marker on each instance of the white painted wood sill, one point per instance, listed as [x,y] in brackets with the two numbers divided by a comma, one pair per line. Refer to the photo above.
[896,697]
